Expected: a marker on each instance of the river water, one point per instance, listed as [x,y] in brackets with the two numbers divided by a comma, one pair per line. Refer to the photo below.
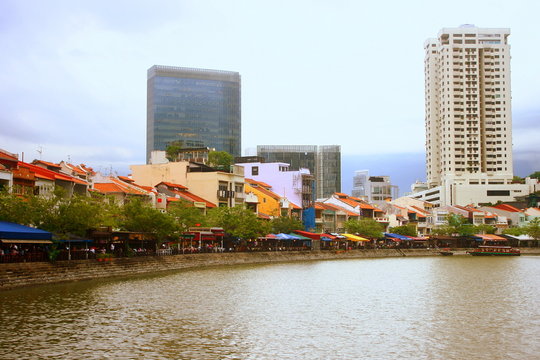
[398,308]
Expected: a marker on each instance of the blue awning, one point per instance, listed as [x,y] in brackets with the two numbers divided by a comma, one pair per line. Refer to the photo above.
[397,236]
[12,231]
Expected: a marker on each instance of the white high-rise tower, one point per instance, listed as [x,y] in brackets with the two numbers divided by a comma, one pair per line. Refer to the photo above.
[468,107]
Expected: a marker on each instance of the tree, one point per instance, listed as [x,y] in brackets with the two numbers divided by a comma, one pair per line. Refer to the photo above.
[535,175]
[517,179]
[142,217]
[514,231]
[74,216]
[220,160]
[284,224]
[407,230]
[455,225]
[173,149]
[186,215]
[365,227]
[485,229]
[238,222]
[533,228]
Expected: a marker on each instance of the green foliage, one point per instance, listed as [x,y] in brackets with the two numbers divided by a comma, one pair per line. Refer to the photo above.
[535,175]
[53,252]
[515,231]
[172,150]
[407,230]
[140,216]
[485,229]
[58,214]
[456,225]
[365,227]
[517,179]
[186,215]
[220,159]
[238,222]
[533,228]
[284,224]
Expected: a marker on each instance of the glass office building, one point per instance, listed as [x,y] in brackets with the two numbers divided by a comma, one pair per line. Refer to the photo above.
[199,107]
[324,162]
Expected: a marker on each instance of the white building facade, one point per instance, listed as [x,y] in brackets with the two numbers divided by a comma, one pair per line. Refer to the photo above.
[468,117]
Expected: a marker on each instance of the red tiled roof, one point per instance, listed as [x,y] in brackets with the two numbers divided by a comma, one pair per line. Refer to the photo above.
[294,206]
[172,185]
[49,174]
[507,207]
[419,209]
[87,169]
[108,188]
[75,168]
[267,192]
[126,179]
[334,207]
[263,216]
[341,195]
[319,206]
[8,156]
[46,163]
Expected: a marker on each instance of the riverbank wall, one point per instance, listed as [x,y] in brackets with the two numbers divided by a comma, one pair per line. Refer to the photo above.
[15,275]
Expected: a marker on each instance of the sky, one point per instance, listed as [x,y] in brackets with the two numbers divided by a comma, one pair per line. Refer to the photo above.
[73,79]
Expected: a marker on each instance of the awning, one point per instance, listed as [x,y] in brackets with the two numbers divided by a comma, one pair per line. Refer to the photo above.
[310,235]
[9,230]
[355,237]
[397,237]
[490,237]
[300,237]
[417,238]
[283,236]
[26,241]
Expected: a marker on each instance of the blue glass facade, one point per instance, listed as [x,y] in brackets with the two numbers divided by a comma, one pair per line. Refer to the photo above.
[199,107]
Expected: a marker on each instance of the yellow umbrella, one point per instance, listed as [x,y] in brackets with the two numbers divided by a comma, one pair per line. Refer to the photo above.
[354,237]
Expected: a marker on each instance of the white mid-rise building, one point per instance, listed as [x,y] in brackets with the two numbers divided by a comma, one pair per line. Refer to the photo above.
[468,116]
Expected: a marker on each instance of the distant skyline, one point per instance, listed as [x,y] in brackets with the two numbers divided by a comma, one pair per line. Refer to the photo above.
[313,72]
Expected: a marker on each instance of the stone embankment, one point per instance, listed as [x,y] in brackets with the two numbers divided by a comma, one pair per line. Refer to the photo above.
[15,275]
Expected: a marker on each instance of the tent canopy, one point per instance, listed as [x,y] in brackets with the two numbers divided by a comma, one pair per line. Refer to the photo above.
[396,237]
[354,237]
[12,231]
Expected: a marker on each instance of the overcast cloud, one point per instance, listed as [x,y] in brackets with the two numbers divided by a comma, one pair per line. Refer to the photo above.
[73,78]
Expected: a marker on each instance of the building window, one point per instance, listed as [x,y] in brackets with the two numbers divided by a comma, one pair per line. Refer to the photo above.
[255,170]
[498,192]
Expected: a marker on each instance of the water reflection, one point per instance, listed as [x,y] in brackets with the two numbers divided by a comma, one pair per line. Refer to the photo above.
[438,308]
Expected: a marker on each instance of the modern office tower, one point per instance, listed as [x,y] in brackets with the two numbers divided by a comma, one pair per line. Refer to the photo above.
[376,189]
[468,106]
[324,162]
[361,184]
[200,108]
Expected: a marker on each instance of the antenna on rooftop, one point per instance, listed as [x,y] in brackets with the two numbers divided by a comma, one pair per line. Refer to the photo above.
[39,151]
[69,158]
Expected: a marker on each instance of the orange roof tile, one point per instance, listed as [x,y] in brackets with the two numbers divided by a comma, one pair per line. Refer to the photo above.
[507,207]
[341,194]
[49,174]
[172,185]
[8,156]
[126,179]
[294,206]
[47,163]
[263,216]
[108,188]
[334,207]
[76,169]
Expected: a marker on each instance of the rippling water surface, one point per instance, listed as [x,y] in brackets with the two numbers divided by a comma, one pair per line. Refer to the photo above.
[413,308]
